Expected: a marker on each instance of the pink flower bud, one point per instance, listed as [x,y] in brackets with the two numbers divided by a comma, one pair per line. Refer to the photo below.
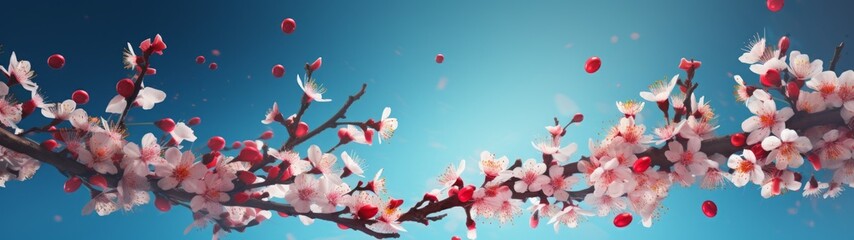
[216,143]
[166,125]
[316,64]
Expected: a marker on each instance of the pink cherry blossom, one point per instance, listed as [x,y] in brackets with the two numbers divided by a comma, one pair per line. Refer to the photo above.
[766,120]
[490,166]
[273,115]
[826,84]
[660,90]
[569,216]
[558,184]
[211,194]
[138,158]
[312,89]
[801,67]
[20,72]
[605,203]
[101,149]
[179,170]
[777,182]
[451,174]
[387,125]
[530,176]
[745,169]
[630,108]
[304,193]
[10,113]
[609,178]
[352,164]
[787,150]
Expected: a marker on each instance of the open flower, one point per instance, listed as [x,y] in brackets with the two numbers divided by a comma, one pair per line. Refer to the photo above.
[779,181]
[387,125]
[558,184]
[766,120]
[787,150]
[100,153]
[834,147]
[569,216]
[660,90]
[351,164]
[609,178]
[451,174]
[323,162]
[810,102]
[296,166]
[179,170]
[605,204]
[826,83]
[758,52]
[801,67]
[490,166]
[689,160]
[60,111]
[211,194]
[20,72]
[146,99]
[132,190]
[138,158]
[304,193]
[631,133]
[10,112]
[554,149]
[313,90]
[814,187]
[273,115]
[630,108]
[742,91]
[530,176]
[745,169]
[774,63]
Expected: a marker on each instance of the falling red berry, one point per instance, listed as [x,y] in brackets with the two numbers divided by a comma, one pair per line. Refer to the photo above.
[166,124]
[774,5]
[289,25]
[456,238]
[56,61]
[80,97]
[216,143]
[710,208]
[236,145]
[213,66]
[194,121]
[266,135]
[622,220]
[162,204]
[200,59]
[642,164]
[592,65]
[72,184]
[125,87]
[440,58]
[278,70]
[737,140]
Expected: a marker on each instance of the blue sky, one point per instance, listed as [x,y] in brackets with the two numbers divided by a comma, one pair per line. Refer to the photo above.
[509,68]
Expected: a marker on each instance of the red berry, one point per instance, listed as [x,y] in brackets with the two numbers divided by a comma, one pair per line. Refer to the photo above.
[622,220]
[125,87]
[236,145]
[213,66]
[771,78]
[266,135]
[246,177]
[316,64]
[166,125]
[80,97]
[710,208]
[49,144]
[440,58]
[278,71]
[737,140]
[592,64]
[27,108]
[162,203]
[289,25]
[194,121]
[250,154]
[774,5]
[98,180]
[456,238]
[200,59]
[56,61]
[216,143]
[302,129]
[72,184]
[642,164]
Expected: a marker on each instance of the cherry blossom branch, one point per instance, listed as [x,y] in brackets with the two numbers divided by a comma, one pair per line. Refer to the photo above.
[330,123]
[137,87]
[836,54]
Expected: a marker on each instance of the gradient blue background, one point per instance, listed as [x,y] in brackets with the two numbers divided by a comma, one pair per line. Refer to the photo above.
[510,67]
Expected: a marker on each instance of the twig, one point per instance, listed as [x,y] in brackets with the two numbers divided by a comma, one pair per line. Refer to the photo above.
[836,55]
